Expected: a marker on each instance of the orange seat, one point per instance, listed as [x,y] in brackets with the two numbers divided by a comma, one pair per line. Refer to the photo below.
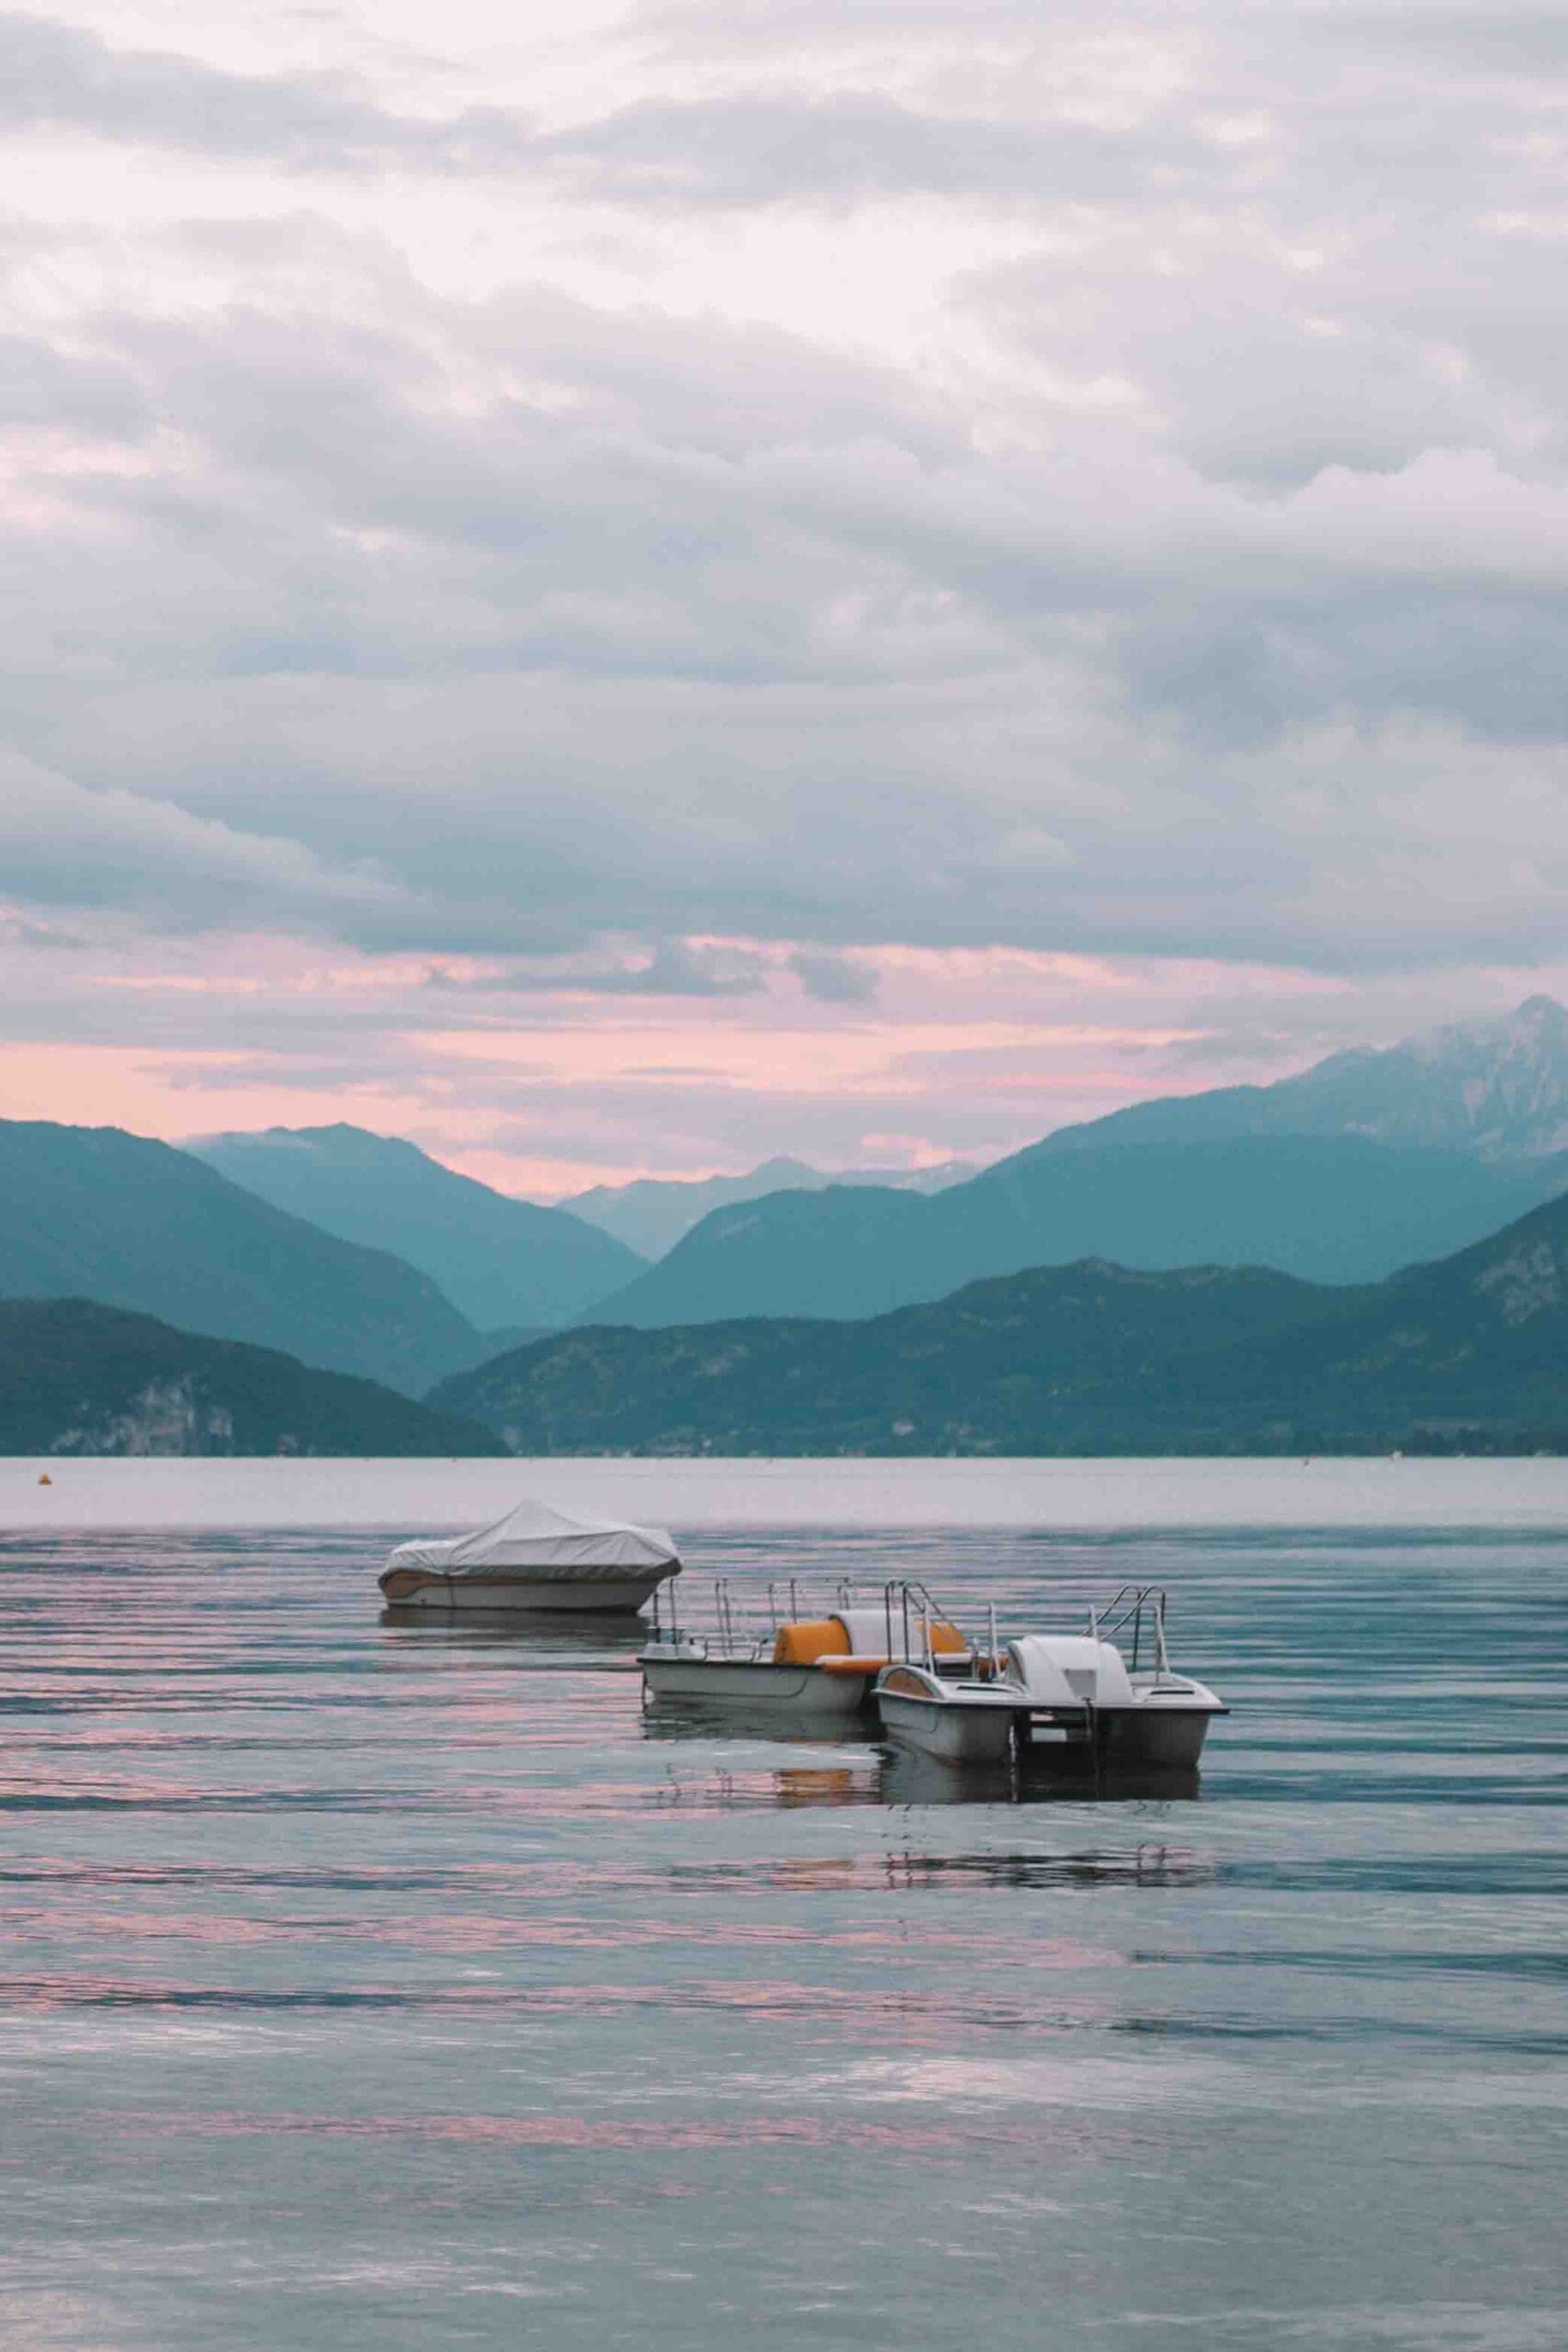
[826,1642]
[809,1642]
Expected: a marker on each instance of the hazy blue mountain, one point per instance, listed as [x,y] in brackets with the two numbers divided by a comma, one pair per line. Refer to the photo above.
[843,1251]
[78,1378]
[1329,1208]
[94,1212]
[499,1260]
[502,1336]
[1496,1088]
[1471,1352]
[1355,1167]
[966,1373]
[651,1215]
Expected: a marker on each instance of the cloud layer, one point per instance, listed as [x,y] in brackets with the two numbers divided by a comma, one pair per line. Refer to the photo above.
[691,512]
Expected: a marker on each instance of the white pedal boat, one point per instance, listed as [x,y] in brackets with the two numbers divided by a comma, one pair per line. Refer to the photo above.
[828,1691]
[1072,1691]
[816,1669]
[1079,1690]
[962,1721]
[535,1559]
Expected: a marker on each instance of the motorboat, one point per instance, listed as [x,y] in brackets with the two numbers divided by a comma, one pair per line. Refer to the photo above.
[1071,1691]
[813,1666]
[536,1559]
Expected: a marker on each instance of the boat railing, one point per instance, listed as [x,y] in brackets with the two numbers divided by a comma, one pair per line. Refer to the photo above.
[1139,1607]
[911,1611]
[911,1618]
[733,1624]
[899,1598]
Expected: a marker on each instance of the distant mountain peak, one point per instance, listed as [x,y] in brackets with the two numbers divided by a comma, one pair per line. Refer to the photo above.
[651,1213]
[501,1260]
[1540,1024]
[340,1137]
[1495,1088]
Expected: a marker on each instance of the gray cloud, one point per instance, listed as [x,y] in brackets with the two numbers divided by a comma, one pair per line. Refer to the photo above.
[43,386]
[670,967]
[16,933]
[750,150]
[57,77]
[833,979]
[64,844]
[1198,588]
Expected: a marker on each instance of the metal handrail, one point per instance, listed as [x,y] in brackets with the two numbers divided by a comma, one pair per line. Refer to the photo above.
[914,1602]
[910,1615]
[1127,1607]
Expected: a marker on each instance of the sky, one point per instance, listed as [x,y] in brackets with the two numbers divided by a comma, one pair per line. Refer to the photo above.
[622,589]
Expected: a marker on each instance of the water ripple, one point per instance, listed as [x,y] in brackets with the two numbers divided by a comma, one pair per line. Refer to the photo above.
[372,1984]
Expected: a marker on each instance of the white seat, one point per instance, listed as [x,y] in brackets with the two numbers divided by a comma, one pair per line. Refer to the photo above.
[871,1633]
[1064,1669]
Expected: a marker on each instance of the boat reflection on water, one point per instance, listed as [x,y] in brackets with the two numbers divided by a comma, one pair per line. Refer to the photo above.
[888,1774]
[693,1722]
[1151,1862]
[909,1777]
[783,1788]
[607,1642]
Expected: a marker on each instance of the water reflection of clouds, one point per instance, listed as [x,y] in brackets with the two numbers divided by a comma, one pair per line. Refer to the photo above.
[668,2134]
[1072,2078]
[272,1861]
[905,2014]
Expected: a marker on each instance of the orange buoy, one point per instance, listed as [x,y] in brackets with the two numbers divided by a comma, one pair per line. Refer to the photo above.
[46,1480]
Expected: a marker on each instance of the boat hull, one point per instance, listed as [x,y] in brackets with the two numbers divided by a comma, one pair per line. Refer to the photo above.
[560,1597]
[800,1691]
[1170,1738]
[948,1728]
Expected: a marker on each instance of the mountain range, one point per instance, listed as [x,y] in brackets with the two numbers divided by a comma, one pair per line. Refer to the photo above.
[78,1378]
[360,1254]
[1470,1354]
[651,1213]
[94,1212]
[499,1260]
[1358,1166]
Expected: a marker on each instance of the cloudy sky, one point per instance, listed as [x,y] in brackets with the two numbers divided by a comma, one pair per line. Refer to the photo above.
[863,576]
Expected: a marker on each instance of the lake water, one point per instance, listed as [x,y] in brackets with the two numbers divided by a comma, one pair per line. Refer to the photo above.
[376,1986]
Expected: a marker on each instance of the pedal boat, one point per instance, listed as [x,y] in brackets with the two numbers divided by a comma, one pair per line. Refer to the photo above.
[818,1670]
[1071,1691]
[962,1721]
[1077,1690]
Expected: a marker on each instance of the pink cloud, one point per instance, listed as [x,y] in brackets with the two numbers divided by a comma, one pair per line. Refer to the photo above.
[966,1052]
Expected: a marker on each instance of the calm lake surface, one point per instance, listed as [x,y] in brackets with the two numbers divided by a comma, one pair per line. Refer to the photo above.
[367,1984]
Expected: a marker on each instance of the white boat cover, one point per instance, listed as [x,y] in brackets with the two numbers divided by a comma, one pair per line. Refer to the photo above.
[534,1542]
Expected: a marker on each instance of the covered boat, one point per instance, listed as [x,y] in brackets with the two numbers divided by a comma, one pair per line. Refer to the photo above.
[533,1558]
